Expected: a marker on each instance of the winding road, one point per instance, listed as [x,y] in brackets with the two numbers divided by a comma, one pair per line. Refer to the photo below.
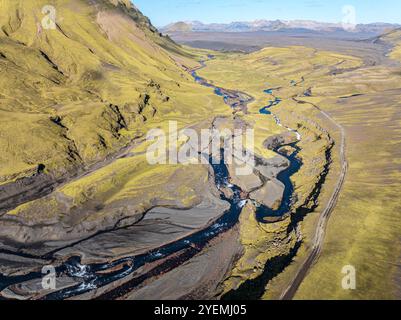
[320,233]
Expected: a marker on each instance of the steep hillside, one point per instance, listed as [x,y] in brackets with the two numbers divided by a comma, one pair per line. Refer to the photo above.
[76,104]
[74,94]
[393,38]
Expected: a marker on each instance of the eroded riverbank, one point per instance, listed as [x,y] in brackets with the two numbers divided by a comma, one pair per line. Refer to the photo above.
[89,277]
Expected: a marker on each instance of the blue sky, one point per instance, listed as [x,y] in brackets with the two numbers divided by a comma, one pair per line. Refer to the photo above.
[162,12]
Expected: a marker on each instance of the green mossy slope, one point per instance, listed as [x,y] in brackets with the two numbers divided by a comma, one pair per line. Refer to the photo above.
[74,94]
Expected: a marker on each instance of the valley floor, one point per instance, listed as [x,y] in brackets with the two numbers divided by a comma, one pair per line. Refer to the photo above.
[77,190]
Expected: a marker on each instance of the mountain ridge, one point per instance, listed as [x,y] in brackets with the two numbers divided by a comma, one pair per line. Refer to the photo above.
[274,25]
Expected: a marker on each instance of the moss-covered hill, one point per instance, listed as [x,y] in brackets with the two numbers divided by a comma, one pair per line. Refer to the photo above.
[392,39]
[74,94]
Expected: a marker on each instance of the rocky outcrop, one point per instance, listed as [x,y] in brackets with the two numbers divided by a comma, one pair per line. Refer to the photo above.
[274,142]
[270,195]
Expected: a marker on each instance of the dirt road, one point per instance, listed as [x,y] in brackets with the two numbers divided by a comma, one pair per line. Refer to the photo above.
[319,237]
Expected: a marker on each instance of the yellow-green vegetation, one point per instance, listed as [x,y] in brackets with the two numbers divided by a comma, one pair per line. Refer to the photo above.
[262,242]
[272,68]
[126,187]
[365,226]
[394,38]
[78,100]
[83,90]
[276,68]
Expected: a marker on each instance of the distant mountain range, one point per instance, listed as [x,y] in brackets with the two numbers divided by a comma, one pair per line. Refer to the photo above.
[276,25]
